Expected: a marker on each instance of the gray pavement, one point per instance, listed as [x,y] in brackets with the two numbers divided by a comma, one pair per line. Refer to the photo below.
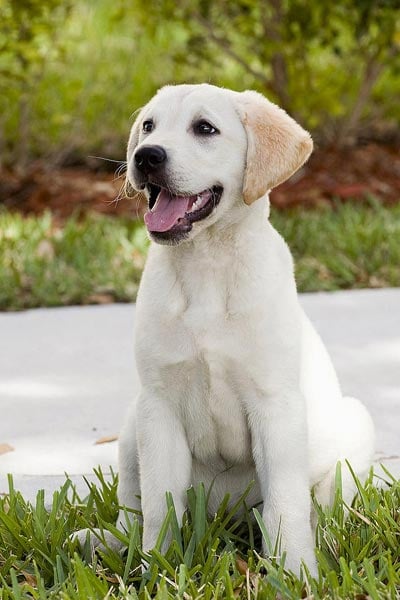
[67,376]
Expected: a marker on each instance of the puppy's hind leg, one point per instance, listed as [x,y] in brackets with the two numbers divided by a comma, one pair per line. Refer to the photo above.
[356,445]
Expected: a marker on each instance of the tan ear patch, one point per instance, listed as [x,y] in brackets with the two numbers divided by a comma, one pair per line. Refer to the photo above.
[277,146]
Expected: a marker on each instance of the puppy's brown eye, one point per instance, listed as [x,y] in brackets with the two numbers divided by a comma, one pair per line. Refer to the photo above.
[148,126]
[204,128]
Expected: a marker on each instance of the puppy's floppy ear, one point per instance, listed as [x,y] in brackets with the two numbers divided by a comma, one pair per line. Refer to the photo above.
[276,145]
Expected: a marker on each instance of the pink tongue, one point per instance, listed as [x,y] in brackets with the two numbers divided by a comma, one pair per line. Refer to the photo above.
[166,212]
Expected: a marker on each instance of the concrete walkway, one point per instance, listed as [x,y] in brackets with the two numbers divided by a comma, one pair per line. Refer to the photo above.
[67,376]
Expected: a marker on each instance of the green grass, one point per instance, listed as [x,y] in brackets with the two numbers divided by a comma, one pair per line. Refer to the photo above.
[95,260]
[99,259]
[350,245]
[209,557]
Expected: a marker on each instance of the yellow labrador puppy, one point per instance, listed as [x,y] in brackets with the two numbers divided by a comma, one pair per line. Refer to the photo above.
[236,384]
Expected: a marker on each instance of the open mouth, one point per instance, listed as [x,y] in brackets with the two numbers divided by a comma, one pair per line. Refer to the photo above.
[170,216]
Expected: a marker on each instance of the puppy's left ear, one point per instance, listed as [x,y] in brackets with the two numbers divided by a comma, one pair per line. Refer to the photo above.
[277,146]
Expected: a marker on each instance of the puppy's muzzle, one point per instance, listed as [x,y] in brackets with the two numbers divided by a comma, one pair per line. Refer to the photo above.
[149,159]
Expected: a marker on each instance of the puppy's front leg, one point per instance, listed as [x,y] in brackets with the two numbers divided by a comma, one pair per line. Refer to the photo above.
[279,436]
[165,463]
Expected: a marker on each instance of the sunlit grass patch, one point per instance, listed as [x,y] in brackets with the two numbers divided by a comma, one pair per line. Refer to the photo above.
[94,260]
[345,246]
[100,259]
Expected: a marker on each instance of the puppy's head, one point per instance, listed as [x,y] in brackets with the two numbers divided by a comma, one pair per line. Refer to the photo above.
[203,154]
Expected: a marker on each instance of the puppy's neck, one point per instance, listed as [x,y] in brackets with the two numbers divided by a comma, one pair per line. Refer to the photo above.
[235,234]
[241,221]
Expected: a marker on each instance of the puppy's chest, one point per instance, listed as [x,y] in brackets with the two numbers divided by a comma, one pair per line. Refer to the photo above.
[211,397]
[213,414]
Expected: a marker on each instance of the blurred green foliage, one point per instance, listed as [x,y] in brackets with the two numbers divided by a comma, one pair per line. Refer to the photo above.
[99,259]
[328,63]
[27,35]
[28,40]
[87,73]
[72,73]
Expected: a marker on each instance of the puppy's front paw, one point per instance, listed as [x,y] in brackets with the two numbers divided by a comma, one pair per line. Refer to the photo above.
[305,557]
[296,557]
[98,540]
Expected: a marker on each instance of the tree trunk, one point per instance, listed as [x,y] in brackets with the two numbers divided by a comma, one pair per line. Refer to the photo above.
[272,31]
[351,121]
[23,131]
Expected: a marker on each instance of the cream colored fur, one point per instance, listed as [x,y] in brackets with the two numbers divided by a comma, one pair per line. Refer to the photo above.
[276,145]
[236,383]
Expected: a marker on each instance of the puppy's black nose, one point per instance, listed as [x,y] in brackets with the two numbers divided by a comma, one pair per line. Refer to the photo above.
[150,158]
